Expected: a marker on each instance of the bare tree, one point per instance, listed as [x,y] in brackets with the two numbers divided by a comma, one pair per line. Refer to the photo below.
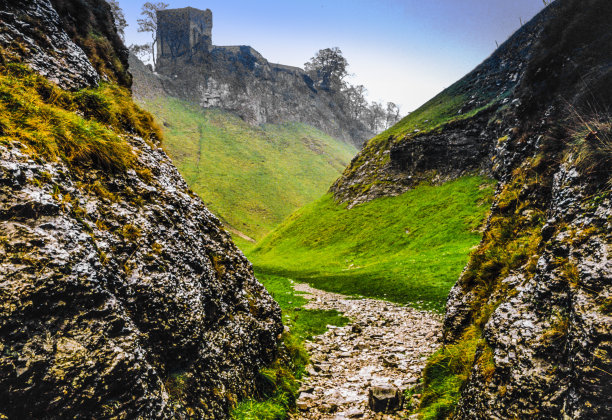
[328,69]
[356,102]
[392,115]
[376,117]
[119,18]
[141,51]
[149,24]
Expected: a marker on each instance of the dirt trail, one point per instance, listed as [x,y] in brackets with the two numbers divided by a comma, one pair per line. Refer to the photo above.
[383,345]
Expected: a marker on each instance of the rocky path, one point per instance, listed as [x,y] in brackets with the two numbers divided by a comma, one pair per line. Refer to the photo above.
[383,349]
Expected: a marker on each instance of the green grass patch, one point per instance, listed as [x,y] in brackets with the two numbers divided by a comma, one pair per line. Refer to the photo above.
[446,372]
[252,177]
[409,249]
[81,128]
[279,382]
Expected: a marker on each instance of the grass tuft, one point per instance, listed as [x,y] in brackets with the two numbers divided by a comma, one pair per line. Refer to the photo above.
[82,128]
[591,148]
[448,369]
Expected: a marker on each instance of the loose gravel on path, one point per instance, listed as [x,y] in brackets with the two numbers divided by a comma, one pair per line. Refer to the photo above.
[384,344]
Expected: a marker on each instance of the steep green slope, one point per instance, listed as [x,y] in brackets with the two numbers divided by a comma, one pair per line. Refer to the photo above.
[442,130]
[251,177]
[408,248]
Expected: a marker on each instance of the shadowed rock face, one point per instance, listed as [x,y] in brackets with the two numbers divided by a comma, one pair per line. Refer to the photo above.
[33,30]
[120,294]
[460,148]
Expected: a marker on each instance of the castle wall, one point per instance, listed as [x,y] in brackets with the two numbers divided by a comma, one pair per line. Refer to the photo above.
[240,80]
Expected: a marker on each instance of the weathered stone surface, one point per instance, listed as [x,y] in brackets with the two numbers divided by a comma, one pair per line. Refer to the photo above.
[91,26]
[181,32]
[121,296]
[552,334]
[384,399]
[95,321]
[33,31]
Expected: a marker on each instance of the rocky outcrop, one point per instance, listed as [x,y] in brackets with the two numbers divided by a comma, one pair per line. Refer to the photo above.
[120,306]
[90,24]
[238,79]
[121,296]
[462,142]
[33,31]
[535,295]
[550,329]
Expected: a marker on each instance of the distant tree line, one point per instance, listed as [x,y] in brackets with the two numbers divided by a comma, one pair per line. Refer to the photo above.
[328,70]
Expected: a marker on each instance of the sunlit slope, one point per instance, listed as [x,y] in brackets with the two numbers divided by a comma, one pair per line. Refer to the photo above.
[410,248]
[251,177]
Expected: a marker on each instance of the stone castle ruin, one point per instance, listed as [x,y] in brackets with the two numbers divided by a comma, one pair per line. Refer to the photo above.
[183,32]
[237,79]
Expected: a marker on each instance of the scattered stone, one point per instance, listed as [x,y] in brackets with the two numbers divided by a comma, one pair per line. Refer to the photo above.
[355,414]
[382,348]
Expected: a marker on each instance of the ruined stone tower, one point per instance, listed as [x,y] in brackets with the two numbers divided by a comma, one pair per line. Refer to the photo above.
[183,33]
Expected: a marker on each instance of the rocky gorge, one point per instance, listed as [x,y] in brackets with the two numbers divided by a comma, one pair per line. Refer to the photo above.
[122,296]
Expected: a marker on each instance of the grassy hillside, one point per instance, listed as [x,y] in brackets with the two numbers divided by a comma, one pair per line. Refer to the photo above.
[84,129]
[251,177]
[410,248]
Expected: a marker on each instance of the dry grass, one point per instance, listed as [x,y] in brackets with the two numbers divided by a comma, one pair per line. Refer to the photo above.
[591,147]
[84,129]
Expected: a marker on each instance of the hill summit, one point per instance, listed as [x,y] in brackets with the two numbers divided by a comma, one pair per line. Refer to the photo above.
[237,79]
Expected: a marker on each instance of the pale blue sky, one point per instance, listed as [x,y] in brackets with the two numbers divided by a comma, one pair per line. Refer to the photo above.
[403,51]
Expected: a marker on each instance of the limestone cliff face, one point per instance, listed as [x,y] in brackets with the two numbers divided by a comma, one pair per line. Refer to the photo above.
[237,79]
[121,296]
[537,290]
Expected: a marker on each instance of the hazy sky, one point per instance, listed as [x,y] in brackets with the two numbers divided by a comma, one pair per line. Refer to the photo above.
[403,51]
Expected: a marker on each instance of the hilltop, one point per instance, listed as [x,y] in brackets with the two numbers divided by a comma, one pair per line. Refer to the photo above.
[238,79]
